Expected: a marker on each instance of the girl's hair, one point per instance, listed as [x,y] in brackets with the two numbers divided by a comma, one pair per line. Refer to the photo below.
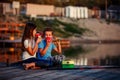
[28,32]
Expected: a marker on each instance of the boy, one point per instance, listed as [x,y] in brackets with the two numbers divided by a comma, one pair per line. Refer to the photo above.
[46,45]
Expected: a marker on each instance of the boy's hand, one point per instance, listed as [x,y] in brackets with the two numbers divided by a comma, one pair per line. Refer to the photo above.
[48,43]
[58,42]
[48,40]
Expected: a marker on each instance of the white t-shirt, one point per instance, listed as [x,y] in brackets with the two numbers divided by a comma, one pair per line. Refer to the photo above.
[28,43]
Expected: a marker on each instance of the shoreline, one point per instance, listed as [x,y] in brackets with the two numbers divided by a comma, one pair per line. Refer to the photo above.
[14,43]
[86,41]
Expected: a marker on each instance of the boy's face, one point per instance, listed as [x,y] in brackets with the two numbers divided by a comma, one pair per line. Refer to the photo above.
[48,34]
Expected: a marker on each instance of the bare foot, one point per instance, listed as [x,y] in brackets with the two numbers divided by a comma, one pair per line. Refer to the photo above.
[25,66]
[28,65]
[34,68]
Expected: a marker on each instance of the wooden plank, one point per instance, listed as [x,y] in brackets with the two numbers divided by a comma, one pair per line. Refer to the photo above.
[59,74]
[32,75]
[110,76]
[18,74]
[10,71]
[71,77]
[33,78]
[14,73]
[91,76]
[117,78]
[45,75]
[80,74]
[53,75]
[6,68]
[97,76]
[48,75]
[115,70]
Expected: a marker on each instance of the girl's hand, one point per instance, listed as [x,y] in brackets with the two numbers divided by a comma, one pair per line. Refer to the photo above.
[38,40]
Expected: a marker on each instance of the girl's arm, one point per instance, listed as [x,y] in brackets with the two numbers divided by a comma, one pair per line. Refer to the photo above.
[34,50]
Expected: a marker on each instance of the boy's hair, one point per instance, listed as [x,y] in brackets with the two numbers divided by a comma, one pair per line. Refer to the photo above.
[47,29]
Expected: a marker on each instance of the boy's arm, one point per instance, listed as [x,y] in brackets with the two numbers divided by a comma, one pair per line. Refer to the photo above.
[44,50]
[58,49]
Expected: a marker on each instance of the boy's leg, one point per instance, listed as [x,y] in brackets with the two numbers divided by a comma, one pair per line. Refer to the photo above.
[43,63]
[57,59]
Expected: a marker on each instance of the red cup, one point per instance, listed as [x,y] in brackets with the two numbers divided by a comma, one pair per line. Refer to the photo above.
[37,35]
[49,39]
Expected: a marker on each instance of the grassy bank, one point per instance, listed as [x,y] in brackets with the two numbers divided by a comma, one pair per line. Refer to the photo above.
[60,28]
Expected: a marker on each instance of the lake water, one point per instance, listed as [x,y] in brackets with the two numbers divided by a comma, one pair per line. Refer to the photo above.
[95,54]
[82,54]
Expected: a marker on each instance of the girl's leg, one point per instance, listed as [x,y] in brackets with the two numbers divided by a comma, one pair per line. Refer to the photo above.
[19,63]
[37,64]
[28,65]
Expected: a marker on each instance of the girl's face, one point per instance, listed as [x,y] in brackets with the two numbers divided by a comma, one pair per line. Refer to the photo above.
[34,32]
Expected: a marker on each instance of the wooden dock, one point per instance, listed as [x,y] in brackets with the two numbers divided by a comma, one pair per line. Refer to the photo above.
[16,73]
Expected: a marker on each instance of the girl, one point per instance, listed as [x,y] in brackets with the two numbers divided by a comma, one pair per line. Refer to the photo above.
[29,45]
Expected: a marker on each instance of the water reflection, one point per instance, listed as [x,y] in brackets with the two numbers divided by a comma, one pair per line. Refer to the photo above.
[82,54]
[10,55]
[94,54]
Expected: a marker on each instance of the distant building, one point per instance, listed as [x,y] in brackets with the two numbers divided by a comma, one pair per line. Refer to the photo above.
[76,12]
[23,9]
[35,10]
[7,8]
[1,8]
[95,12]
[69,10]
[59,11]
[114,12]
[50,11]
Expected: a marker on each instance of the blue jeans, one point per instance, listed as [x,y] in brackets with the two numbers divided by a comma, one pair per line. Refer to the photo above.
[51,61]
[38,62]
